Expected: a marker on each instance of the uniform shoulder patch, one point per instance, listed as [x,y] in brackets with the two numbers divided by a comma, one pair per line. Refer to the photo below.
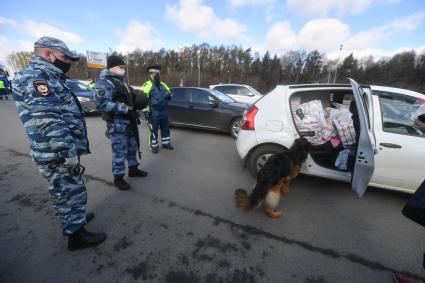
[42,88]
[101,92]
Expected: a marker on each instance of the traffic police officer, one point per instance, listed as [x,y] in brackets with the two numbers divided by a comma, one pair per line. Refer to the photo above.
[91,84]
[118,103]
[158,94]
[53,120]
[4,84]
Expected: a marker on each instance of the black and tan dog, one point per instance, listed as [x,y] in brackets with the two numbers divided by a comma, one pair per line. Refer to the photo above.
[274,178]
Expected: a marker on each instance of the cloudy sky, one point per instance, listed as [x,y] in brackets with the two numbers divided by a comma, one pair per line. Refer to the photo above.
[376,27]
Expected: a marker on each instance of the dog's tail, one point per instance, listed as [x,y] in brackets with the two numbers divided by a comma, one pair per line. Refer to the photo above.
[242,200]
[247,202]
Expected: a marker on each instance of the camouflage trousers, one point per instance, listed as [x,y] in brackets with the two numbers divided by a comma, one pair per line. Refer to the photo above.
[124,147]
[69,195]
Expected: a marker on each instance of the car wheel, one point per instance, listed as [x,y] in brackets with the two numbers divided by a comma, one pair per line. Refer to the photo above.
[260,155]
[235,127]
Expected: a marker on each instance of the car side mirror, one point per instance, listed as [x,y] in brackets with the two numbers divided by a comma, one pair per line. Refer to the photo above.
[213,103]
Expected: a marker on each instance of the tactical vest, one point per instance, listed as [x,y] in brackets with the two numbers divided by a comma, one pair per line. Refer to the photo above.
[122,92]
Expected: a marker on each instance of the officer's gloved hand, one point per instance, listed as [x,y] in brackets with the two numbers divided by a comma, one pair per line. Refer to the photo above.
[168,97]
[72,161]
[129,113]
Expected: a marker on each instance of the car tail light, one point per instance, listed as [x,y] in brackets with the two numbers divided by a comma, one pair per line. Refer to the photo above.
[248,118]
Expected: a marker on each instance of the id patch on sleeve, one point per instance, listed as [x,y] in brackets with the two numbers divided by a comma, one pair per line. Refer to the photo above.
[42,88]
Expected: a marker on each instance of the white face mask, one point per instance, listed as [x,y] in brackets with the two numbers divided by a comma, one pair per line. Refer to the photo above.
[120,73]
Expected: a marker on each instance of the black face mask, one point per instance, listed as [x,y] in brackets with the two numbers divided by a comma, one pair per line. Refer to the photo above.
[62,65]
[157,79]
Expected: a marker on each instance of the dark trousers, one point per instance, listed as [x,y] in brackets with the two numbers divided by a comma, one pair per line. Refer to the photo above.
[159,120]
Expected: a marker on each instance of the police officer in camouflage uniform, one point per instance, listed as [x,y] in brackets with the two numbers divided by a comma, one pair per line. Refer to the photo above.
[118,103]
[158,94]
[53,120]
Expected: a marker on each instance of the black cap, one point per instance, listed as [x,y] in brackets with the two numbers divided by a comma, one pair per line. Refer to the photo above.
[154,68]
[113,61]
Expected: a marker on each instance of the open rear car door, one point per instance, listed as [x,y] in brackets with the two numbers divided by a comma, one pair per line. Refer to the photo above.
[364,162]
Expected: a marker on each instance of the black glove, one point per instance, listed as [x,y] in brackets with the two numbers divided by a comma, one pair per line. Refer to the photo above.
[168,97]
[141,101]
[129,113]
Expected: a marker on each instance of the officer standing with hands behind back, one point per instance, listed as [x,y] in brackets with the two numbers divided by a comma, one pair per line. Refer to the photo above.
[55,125]
[118,103]
[158,94]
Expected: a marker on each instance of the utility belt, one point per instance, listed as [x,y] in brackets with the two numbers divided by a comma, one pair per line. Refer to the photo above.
[109,117]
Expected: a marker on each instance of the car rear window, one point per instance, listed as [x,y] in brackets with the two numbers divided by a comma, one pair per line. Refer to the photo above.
[199,96]
[179,94]
[225,89]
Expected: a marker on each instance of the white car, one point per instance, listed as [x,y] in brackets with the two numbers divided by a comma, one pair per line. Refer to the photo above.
[390,152]
[240,93]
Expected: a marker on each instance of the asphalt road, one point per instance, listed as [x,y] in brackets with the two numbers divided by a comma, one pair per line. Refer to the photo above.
[180,223]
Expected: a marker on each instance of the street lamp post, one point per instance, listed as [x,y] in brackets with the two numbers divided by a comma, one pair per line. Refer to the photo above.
[199,68]
[337,62]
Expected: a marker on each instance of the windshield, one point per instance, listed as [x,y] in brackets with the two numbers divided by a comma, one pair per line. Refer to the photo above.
[253,90]
[77,86]
[221,96]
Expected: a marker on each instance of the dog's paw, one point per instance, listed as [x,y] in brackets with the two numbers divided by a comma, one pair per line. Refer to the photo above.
[273,213]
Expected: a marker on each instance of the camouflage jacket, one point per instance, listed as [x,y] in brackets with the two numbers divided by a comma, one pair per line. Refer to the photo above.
[105,95]
[106,92]
[51,113]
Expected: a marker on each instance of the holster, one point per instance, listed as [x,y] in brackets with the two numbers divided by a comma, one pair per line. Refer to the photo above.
[107,116]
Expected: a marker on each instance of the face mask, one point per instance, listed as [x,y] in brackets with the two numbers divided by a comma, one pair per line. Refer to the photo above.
[62,65]
[120,73]
[157,79]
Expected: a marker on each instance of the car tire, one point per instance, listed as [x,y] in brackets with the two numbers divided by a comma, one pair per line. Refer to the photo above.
[259,156]
[235,127]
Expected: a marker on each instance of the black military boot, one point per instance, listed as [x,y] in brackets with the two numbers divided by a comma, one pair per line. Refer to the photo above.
[84,239]
[168,146]
[133,171]
[89,217]
[120,183]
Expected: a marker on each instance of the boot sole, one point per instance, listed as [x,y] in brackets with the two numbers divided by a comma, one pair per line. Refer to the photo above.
[137,176]
[86,246]
[123,189]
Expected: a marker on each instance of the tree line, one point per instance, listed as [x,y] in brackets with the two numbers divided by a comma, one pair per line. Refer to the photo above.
[205,65]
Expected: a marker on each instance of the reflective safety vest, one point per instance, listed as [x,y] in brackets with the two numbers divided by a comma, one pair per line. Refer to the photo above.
[157,95]
[147,87]
[2,86]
